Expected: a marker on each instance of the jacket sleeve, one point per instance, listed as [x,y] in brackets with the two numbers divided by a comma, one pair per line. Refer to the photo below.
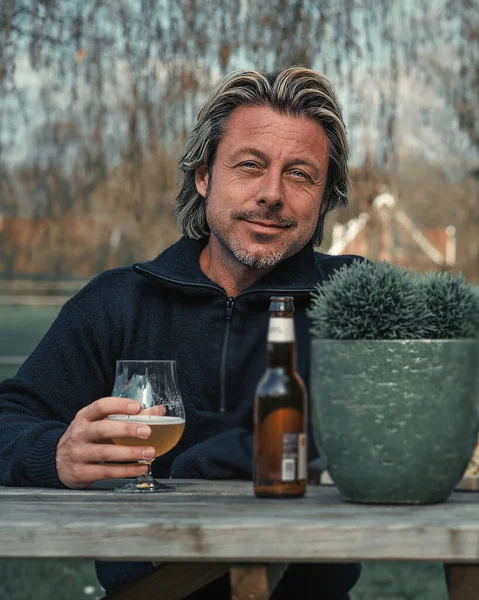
[228,455]
[64,373]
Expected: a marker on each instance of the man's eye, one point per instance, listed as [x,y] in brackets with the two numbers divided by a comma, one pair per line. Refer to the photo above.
[300,174]
[249,164]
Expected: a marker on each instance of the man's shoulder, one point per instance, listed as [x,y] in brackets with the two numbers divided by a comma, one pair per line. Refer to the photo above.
[114,285]
[332,262]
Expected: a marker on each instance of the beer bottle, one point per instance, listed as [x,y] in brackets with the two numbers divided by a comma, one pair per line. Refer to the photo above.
[280,412]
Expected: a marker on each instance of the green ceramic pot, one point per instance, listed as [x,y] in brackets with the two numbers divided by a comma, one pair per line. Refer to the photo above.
[396,419]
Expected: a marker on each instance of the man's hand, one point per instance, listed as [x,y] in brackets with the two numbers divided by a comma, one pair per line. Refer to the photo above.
[85,444]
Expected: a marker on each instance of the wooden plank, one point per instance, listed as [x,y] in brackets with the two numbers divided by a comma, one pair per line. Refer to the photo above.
[256,582]
[171,581]
[462,581]
[223,521]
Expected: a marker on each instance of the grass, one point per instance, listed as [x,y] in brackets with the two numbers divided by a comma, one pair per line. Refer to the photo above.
[45,579]
[400,581]
[20,330]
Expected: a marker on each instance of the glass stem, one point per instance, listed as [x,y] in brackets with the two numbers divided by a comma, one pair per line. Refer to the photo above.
[146,477]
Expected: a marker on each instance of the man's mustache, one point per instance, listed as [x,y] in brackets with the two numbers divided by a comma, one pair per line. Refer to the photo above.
[264,216]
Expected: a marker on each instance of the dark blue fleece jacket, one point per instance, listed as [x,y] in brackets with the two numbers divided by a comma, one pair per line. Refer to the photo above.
[163,309]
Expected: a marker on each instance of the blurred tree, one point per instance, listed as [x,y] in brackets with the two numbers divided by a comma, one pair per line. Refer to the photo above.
[92,92]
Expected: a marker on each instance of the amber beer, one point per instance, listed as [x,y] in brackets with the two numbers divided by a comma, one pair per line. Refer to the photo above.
[280,412]
[165,432]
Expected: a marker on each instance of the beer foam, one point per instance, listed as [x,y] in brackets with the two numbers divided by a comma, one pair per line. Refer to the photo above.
[148,419]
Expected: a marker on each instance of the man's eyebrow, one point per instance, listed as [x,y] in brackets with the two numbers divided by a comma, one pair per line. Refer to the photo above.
[253,151]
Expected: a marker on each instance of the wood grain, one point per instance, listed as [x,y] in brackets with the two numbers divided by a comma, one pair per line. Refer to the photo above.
[224,522]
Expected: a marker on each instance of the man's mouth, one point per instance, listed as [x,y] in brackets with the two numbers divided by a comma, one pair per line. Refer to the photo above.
[268,220]
[270,224]
[265,228]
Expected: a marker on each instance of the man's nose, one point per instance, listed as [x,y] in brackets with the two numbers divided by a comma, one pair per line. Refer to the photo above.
[270,192]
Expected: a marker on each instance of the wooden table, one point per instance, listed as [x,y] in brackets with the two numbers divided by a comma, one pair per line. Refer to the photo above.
[221,526]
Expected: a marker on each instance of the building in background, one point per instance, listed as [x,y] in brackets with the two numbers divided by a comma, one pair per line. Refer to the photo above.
[386,232]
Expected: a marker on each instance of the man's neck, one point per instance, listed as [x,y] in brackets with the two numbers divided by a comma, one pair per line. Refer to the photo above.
[219,265]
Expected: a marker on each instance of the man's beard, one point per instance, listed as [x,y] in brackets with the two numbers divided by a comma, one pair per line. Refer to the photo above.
[262,259]
[250,259]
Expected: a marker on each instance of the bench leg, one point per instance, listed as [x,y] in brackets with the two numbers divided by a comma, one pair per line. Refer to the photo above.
[255,582]
[462,581]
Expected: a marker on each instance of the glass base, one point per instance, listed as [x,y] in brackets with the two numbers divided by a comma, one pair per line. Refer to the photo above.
[144,487]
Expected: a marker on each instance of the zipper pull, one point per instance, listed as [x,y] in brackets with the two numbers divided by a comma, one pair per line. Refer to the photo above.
[229,307]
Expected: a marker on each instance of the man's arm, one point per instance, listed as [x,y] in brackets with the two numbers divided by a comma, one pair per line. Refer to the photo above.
[52,427]
[63,374]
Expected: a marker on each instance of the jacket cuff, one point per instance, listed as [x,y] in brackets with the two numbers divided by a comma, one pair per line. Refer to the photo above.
[40,469]
[185,466]
[227,455]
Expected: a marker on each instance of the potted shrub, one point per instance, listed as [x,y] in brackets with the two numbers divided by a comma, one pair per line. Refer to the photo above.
[395,381]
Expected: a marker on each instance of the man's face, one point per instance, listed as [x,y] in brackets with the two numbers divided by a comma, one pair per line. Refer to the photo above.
[263,199]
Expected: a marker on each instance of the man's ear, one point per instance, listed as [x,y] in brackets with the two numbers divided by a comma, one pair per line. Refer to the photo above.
[201,179]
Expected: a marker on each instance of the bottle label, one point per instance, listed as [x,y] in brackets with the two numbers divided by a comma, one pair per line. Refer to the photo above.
[293,458]
[281,329]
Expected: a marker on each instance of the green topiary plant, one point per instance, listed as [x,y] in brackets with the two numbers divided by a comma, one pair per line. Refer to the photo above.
[378,301]
[453,305]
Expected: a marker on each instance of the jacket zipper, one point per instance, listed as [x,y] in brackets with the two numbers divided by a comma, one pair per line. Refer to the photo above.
[230,302]
[224,352]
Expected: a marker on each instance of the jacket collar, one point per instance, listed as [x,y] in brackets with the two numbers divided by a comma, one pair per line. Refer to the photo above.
[179,265]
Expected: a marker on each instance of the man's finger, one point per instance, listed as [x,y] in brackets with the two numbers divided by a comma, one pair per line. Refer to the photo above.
[92,473]
[108,429]
[96,453]
[156,411]
[109,406]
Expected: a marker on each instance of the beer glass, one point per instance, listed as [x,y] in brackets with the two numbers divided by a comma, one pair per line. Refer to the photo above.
[152,383]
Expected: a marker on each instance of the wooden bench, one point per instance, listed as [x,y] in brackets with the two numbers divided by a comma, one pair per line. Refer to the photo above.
[208,528]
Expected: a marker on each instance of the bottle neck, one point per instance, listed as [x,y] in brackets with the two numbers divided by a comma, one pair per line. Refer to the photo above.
[281,350]
[281,355]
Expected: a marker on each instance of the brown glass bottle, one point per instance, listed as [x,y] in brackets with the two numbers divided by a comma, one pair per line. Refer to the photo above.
[280,412]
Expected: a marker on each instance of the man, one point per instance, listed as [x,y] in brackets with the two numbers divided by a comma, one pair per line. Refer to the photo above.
[265,162]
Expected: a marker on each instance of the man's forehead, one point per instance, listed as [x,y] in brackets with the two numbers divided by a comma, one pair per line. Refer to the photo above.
[249,125]
[258,117]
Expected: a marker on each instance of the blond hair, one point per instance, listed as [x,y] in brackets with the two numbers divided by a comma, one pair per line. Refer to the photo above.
[295,91]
